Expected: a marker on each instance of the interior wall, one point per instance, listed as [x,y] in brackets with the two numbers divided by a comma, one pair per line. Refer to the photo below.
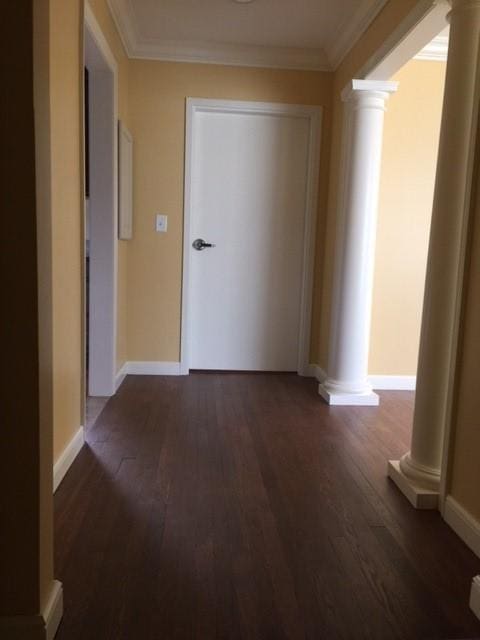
[66,20]
[464,454]
[379,30]
[26,420]
[157,93]
[66,99]
[409,157]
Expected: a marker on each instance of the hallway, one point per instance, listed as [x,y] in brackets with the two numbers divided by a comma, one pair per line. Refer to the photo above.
[240,506]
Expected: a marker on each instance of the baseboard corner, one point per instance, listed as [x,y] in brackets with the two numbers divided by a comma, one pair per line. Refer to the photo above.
[121,375]
[475,596]
[64,462]
[54,610]
[464,525]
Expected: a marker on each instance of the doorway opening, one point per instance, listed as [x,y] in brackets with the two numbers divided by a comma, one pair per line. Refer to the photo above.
[100,212]
[409,157]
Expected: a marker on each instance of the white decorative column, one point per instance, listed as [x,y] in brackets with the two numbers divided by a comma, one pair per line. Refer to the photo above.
[346,382]
[417,474]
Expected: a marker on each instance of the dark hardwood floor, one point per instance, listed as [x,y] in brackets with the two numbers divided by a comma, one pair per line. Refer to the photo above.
[241,506]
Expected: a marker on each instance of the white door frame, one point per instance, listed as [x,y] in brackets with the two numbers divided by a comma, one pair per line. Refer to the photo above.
[313,115]
[103,76]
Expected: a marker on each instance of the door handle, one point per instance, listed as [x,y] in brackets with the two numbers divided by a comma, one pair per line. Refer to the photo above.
[199,244]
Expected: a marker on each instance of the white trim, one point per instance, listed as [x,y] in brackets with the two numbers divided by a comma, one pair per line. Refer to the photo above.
[348,33]
[153,368]
[475,596]
[464,525]
[124,19]
[393,383]
[233,55]
[121,374]
[319,59]
[436,50]
[366,399]
[103,342]
[53,610]
[64,462]
[426,20]
[314,115]
[314,371]
[43,625]
[101,41]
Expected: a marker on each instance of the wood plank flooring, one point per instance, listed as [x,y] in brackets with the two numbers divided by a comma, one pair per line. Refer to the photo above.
[240,506]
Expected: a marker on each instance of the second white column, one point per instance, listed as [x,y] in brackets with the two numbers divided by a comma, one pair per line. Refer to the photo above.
[346,382]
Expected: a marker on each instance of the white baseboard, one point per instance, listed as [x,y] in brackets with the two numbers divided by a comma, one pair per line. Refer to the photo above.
[54,610]
[43,625]
[121,374]
[153,368]
[62,465]
[393,383]
[464,525]
[390,383]
[475,596]
[315,371]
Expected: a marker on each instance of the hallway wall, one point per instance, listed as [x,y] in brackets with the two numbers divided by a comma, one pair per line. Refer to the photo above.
[66,20]
[409,158]
[66,69]
[464,484]
[157,93]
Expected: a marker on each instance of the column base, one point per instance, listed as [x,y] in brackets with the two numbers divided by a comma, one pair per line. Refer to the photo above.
[418,496]
[338,398]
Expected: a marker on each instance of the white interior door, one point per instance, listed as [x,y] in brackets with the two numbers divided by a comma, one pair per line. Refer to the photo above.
[249,174]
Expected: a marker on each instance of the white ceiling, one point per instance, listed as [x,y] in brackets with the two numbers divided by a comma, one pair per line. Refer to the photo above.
[308,34]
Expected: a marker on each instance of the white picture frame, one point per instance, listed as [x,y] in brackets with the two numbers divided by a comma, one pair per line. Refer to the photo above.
[125,183]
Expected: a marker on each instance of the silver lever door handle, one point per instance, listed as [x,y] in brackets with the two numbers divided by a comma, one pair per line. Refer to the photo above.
[199,244]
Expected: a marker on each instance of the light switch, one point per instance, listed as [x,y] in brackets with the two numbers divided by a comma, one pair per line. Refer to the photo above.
[161,222]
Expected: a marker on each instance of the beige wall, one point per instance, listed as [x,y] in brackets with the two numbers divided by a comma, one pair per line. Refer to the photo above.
[157,93]
[66,77]
[464,456]
[410,145]
[67,211]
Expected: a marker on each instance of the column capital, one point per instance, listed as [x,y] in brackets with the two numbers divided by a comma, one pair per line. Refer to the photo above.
[358,89]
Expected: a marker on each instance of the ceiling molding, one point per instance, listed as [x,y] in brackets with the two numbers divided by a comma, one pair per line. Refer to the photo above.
[244,55]
[436,50]
[231,54]
[124,19]
[348,34]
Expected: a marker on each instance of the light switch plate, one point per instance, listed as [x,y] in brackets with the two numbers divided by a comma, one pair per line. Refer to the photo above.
[161,223]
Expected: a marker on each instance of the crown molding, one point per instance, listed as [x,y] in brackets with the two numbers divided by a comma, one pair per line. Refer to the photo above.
[124,19]
[244,55]
[435,50]
[351,30]
[235,55]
